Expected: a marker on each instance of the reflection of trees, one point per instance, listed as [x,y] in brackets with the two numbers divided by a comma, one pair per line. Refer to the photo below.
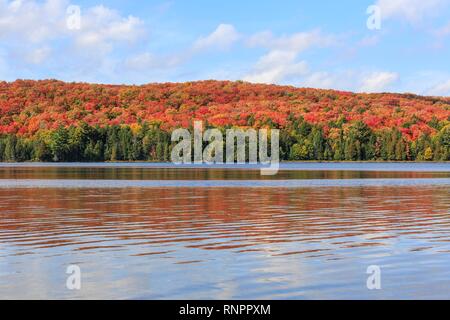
[219,218]
[117,173]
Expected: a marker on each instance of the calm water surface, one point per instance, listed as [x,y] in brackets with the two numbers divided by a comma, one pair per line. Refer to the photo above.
[153,231]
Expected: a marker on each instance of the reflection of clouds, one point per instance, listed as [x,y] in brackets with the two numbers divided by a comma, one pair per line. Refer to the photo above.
[31,277]
[278,273]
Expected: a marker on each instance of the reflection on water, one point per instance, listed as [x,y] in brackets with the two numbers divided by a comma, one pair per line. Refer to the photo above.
[292,183]
[226,242]
[167,171]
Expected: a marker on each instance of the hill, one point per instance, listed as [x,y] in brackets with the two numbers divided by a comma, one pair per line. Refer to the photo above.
[315,124]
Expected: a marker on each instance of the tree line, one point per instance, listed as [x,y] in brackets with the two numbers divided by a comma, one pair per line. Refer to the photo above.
[299,140]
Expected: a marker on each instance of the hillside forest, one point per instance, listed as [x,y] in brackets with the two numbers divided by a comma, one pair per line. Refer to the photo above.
[51,120]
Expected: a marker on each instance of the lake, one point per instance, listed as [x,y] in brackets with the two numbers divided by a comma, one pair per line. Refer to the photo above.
[161,231]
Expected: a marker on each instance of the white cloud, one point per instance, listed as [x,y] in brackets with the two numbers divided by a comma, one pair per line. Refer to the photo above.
[38,55]
[103,28]
[222,38]
[276,67]
[31,20]
[350,80]
[322,80]
[151,61]
[410,10]
[378,81]
[33,30]
[281,62]
[440,89]
[260,39]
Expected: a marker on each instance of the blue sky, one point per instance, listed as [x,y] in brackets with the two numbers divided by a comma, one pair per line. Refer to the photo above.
[325,44]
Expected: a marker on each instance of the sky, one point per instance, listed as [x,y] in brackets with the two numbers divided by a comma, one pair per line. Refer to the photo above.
[355,45]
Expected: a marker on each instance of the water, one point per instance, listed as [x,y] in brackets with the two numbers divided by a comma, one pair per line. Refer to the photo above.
[152,231]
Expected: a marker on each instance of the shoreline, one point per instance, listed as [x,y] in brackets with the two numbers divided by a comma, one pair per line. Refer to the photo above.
[382,166]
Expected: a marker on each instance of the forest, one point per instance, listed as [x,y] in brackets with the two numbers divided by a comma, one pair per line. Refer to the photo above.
[50,120]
